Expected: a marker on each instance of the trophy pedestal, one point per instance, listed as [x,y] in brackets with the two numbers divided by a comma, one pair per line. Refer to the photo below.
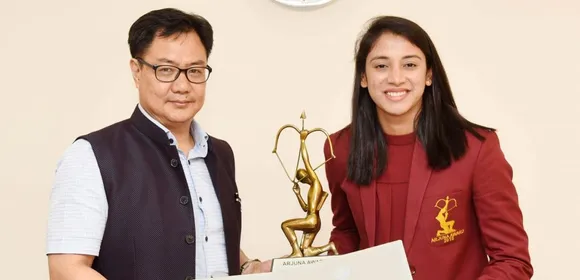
[387,261]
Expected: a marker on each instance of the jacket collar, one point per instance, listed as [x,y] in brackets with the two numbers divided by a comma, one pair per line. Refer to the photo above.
[162,135]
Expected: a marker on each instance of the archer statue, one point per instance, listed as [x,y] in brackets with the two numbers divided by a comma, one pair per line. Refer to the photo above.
[309,225]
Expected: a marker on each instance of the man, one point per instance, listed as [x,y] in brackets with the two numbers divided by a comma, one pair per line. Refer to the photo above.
[152,196]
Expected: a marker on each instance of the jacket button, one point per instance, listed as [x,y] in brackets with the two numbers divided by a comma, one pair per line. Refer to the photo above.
[413,271]
[189,239]
[183,200]
[174,162]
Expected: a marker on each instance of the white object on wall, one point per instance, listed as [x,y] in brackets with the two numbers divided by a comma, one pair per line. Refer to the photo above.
[303,3]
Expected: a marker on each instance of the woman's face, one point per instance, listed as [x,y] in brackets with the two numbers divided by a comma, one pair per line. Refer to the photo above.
[396,75]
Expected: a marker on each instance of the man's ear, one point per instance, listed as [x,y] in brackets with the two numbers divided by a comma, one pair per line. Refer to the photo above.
[363,80]
[135,71]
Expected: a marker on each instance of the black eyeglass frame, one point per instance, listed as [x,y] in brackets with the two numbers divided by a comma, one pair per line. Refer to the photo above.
[180,70]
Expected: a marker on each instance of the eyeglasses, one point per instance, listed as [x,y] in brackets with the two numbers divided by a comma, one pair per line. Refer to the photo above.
[170,73]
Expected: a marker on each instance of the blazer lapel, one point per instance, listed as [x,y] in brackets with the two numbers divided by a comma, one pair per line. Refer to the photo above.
[368,197]
[419,178]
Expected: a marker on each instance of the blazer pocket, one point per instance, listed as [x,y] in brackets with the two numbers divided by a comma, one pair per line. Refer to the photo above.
[444,218]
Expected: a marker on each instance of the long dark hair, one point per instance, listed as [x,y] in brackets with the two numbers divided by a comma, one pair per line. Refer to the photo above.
[439,126]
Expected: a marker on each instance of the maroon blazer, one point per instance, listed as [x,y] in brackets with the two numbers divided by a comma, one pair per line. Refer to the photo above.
[482,217]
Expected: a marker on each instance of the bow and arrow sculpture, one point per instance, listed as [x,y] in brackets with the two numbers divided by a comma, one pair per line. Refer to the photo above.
[310,224]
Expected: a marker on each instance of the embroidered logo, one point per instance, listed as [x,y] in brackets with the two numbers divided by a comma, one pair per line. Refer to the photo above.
[447,233]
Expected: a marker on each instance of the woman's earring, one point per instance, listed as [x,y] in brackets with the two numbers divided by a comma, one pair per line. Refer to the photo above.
[428,83]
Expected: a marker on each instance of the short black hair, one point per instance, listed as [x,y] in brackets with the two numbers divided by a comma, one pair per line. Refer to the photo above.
[439,125]
[164,23]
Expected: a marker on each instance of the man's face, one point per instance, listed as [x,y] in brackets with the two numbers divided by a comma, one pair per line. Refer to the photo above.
[171,103]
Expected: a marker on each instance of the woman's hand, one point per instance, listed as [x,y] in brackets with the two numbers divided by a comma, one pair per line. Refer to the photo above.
[258,267]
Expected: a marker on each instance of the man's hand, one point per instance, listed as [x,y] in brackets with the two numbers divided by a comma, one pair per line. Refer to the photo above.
[258,267]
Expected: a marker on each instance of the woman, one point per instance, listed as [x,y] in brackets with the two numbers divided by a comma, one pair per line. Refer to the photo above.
[409,167]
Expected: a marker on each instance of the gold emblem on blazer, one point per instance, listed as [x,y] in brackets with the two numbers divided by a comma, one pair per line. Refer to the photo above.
[447,231]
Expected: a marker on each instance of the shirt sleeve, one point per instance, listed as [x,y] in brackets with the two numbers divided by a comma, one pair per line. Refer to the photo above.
[78,205]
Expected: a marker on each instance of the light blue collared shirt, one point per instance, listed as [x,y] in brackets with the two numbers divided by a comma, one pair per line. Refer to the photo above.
[78,204]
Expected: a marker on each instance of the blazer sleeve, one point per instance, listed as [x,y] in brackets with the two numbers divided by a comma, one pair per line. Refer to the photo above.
[344,234]
[499,215]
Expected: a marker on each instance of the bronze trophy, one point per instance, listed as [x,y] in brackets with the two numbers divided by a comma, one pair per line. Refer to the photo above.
[310,224]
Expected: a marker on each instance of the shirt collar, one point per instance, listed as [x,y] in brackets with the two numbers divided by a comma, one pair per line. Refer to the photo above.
[199,135]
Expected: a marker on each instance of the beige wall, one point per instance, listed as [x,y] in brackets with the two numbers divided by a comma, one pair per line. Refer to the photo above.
[513,65]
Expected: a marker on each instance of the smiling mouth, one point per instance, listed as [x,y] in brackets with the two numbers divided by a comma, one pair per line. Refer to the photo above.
[396,93]
[181,103]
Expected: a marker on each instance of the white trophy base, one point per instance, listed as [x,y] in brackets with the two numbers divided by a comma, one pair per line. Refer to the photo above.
[387,261]
[283,264]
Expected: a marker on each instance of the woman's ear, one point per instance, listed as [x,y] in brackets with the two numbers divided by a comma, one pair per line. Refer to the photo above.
[363,80]
[429,78]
